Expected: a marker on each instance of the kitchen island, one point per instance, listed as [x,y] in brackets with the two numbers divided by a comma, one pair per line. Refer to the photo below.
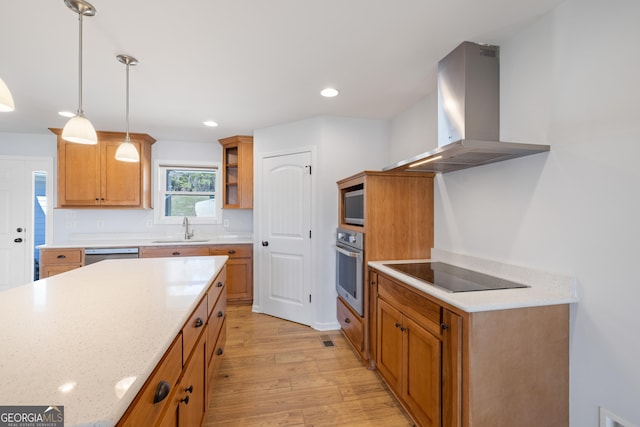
[494,358]
[89,338]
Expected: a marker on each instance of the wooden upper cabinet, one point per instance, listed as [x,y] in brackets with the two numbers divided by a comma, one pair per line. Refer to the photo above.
[237,172]
[89,176]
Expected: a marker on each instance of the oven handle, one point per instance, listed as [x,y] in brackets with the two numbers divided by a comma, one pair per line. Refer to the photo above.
[349,253]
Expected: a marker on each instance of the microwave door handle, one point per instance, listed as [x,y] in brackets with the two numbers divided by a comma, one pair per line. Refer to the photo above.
[348,253]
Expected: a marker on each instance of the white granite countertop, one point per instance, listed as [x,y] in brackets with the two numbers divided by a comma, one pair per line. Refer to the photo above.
[159,241]
[87,339]
[545,288]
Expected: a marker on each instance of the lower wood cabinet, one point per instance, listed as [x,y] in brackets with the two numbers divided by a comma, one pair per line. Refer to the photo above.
[239,272]
[352,326]
[453,368]
[176,393]
[55,261]
[410,352]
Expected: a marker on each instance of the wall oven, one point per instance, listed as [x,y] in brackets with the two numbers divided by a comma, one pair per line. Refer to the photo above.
[349,268]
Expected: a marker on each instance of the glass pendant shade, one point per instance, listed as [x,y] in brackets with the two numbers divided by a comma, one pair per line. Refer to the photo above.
[127,152]
[6,100]
[79,130]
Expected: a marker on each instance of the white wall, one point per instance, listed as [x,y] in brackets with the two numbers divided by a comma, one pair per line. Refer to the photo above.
[82,224]
[570,79]
[343,147]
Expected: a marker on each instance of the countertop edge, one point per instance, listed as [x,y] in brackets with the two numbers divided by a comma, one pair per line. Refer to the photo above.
[545,288]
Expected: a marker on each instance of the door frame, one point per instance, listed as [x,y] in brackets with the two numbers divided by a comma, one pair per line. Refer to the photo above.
[258,206]
[32,164]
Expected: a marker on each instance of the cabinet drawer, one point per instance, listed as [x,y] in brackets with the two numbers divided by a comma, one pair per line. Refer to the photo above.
[215,323]
[144,411]
[216,289]
[61,256]
[351,325]
[233,251]
[422,310]
[216,358]
[169,251]
[192,329]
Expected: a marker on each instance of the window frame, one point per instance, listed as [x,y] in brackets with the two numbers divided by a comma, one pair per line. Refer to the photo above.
[158,200]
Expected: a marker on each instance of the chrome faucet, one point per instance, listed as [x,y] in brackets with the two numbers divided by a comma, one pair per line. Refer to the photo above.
[185,224]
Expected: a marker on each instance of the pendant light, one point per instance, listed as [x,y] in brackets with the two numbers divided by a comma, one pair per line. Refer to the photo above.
[127,152]
[79,129]
[6,100]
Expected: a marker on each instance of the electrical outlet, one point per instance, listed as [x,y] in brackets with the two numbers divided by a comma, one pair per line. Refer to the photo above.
[608,419]
[225,223]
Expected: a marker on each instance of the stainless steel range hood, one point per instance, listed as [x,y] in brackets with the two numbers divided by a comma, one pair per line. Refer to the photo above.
[468,115]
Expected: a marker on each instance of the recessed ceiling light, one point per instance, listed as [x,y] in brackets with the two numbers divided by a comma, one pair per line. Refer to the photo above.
[329,92]
[210,123]
[66,114]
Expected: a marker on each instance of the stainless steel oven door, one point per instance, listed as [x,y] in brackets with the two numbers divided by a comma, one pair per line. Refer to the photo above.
[349,274]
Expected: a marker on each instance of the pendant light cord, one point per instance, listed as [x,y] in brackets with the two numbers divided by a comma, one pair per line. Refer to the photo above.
[127,109]
[80,112]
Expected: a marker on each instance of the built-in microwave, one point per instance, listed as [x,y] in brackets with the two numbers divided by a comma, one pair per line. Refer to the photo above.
[353,205]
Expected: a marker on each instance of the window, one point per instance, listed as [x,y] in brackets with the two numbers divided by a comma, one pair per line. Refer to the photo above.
[187,190]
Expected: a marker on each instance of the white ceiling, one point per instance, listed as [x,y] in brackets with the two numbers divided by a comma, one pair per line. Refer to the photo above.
[247,64]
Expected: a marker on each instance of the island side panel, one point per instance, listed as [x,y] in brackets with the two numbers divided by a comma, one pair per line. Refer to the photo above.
[517,367]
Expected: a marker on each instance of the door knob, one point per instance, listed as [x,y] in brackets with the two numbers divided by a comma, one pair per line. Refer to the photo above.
[18,240]
[265,243]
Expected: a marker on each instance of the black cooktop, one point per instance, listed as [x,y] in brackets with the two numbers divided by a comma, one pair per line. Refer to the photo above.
[453,279]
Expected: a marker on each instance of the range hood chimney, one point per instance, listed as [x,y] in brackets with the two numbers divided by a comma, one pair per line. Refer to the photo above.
[468,115]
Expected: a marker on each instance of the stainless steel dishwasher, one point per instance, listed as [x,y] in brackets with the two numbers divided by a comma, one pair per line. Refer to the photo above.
[93,255]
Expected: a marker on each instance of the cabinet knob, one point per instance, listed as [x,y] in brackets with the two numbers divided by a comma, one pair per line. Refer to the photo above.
[176,253]
[61,256]
[199,322]
[162,391]
[402,328]
[189,389]
[444,326]
[231,251]
[265,243]
[185,400]
[220,314]
[220,284]
[19,229]
[18,240]
[219,351]
[347,320]
[397,324]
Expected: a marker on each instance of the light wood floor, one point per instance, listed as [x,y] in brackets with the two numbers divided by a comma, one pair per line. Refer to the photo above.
[279,373]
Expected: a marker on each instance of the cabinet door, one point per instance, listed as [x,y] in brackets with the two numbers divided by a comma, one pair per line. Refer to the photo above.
[192,388]
[78,174]
[421,377]
[240,285]
[120,181]
[389,344]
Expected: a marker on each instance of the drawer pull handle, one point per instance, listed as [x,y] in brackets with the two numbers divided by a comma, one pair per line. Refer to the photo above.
[220,314]
[199,322]
[18,240]
[231,251]
[61,256]
[347,320]
[162,391]
[220,284]
[219,351]
[185,400]
[176,253]
[189,389]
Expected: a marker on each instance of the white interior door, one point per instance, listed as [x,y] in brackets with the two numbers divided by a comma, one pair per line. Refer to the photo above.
[15,196]
[284,233]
